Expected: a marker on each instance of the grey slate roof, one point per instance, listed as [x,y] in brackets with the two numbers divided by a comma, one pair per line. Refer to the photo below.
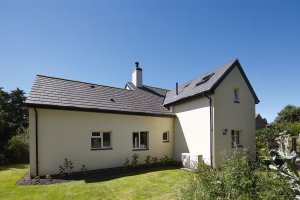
[190,90]
[50,92]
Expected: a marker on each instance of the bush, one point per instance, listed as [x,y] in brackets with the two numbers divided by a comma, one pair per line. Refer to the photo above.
[18,147]
[269,188]
[134,162]
[239,179]
[126,164]
[205,183]
[154,160]
[67,168]
[48,177]
[164,160]
[148,160]
[83,170]
[239,176]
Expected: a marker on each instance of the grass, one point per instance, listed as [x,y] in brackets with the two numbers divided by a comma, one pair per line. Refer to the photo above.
[149,185]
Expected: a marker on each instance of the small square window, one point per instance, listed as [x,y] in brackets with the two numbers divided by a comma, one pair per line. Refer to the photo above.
[140,140]
[165,136]
[236,96]
[100,140]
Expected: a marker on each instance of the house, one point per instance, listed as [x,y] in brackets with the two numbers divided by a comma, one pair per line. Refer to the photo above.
[260,122]
[100,126]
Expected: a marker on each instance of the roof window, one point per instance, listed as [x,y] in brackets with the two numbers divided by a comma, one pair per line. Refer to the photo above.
[204,79]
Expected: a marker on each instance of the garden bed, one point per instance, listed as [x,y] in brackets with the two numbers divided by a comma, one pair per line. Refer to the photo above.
[92,175]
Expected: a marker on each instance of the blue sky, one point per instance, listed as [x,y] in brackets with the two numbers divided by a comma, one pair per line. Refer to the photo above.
[99,41]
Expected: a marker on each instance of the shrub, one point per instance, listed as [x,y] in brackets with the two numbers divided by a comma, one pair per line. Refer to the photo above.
[239,179]
[154,160]
[36,179]
[148,160]
[239,176]
[48,177]
[83,170]
[67,168]
[269,188]
[164,160]
[126,164]
[273,144]
[205,183]
[18,147]
[134,161]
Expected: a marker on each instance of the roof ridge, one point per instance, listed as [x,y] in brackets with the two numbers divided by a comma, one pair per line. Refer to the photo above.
[96,84]
[156,87]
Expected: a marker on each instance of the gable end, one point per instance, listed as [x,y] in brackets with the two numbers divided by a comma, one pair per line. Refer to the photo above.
[238,65]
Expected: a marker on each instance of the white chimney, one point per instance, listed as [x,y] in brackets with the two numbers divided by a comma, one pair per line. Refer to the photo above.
[137,76]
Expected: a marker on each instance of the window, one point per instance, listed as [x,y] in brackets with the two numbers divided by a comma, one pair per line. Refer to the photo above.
[204,79]
[236,97]
[235,139]
[101,140]
[165,136]
[140,140]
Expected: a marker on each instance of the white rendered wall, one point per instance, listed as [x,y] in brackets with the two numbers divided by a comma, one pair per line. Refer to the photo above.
[192,129]
[67,134]
[230,115]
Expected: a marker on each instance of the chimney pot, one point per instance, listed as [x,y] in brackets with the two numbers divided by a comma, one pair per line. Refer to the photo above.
[137,65]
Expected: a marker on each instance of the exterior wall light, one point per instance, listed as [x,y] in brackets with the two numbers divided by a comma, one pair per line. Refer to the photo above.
[225,131]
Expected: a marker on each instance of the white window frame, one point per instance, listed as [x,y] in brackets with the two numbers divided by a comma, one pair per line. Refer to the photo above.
[101,136]
[236,95]
[233,138]
[168,136]
[139,141]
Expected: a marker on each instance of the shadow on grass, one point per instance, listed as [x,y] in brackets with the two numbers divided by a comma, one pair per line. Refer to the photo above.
[110,174]
[13,166]
[93,176]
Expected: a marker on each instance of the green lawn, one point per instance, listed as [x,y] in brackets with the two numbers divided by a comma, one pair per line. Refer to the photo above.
[151,185]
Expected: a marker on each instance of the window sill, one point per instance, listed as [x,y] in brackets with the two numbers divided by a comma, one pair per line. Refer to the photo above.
[166,141]
[236,101]
[140,149]
[102,149]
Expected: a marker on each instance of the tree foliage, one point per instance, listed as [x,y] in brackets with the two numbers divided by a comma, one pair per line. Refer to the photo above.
[13,122]
[289,114]
[18,147]
[288,120]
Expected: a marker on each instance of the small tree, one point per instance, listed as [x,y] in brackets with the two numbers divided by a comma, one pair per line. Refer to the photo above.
[18,147]
[289,113]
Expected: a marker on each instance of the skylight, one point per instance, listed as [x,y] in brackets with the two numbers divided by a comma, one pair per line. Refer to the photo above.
[204,79]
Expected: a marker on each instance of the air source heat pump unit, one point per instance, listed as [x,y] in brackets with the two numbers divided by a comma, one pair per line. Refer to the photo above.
[194,161]
[190,160]
[185,158]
